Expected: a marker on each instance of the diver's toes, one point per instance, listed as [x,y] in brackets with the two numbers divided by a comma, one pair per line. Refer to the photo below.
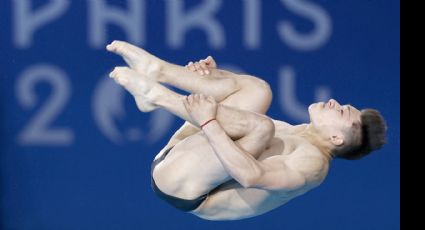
[119,71]
[117,47]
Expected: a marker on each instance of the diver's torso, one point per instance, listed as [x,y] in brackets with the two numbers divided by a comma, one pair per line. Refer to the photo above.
[231,201]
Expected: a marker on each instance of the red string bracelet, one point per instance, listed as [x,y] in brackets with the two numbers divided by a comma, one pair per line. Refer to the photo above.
[206,123]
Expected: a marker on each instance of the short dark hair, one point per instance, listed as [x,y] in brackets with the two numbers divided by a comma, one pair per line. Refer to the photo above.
[373,131]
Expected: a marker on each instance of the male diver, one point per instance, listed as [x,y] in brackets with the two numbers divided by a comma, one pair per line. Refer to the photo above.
[229,161]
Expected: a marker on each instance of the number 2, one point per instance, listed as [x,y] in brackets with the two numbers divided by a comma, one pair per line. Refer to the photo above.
[39,130]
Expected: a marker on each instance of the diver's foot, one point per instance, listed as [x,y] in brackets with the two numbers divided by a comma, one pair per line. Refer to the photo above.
[138,85]
[138,59]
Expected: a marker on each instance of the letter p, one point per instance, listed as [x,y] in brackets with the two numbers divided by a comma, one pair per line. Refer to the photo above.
[27,22]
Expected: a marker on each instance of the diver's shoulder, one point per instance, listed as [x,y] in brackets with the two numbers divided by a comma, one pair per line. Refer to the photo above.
[284,127]
[281,123]
[311,163]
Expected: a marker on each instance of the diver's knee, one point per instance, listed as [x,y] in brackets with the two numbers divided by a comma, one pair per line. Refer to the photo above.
[266,129]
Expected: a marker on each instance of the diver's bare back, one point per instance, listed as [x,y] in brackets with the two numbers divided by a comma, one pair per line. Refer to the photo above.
[232,201]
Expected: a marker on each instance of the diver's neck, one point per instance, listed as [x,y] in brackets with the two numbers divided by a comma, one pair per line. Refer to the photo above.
[308,132]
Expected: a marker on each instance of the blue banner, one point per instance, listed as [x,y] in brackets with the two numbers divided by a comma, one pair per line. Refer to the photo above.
[76,153]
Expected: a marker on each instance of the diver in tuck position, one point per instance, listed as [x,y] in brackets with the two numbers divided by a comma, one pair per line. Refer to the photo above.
[229,161]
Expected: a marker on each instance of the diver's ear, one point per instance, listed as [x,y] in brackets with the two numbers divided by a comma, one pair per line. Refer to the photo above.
[337,140]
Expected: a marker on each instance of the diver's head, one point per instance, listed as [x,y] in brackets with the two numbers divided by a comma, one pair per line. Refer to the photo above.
[347,132]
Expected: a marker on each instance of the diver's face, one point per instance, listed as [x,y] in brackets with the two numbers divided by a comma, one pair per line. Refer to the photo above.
[333,116]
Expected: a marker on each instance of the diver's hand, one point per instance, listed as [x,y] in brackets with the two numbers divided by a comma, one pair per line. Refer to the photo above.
[201,108]
[203,67]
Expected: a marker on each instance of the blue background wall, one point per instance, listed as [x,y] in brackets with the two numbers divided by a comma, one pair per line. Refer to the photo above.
[76,153]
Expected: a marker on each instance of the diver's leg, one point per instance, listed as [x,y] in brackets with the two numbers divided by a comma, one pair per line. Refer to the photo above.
[239,91]
[192,168]
[236,123]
